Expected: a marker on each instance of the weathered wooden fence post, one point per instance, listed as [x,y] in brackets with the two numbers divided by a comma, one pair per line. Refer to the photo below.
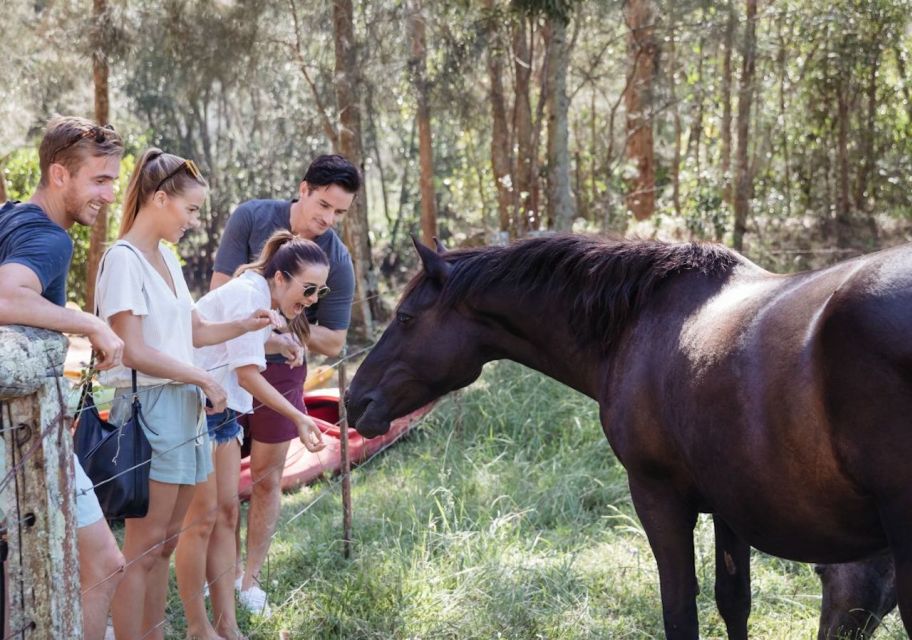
[345,460]
[36,494]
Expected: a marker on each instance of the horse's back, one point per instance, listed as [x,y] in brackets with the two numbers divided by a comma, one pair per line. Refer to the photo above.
[775,392]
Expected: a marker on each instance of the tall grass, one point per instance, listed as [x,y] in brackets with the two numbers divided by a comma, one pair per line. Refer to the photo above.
[505,515]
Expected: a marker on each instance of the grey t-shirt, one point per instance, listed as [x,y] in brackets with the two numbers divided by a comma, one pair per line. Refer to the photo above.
[250,226]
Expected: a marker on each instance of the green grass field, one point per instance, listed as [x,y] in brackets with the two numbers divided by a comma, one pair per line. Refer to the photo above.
[504,515]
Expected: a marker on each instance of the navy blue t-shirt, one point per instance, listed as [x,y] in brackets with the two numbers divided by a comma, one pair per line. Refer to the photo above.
[28,237]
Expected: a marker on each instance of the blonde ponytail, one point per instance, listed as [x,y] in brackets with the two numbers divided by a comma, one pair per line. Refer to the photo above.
[156,170]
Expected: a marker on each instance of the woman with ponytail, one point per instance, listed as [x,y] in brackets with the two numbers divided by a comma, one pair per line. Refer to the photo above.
[289,276]
[142,294]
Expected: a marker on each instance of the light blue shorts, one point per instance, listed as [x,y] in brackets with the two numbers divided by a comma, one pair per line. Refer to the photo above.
[88,511]
[181,453]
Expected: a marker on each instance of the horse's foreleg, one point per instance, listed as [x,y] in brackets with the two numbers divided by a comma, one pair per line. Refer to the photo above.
[669,522]
[733,594]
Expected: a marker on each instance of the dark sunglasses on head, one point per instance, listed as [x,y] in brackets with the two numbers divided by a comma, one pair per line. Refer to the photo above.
[98,132]
[187,165]
[310,288]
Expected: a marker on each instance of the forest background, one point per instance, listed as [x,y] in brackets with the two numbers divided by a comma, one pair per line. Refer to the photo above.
[779,128]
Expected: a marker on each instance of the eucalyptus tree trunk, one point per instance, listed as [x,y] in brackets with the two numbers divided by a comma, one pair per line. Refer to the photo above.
[99,233]
[500,133]
[560,199]
[348,143]
[418,67]
[675,116]
[523,132]
[743,177]
[728,44]
[695,137]
[643,52]
[864,186]
[843,206]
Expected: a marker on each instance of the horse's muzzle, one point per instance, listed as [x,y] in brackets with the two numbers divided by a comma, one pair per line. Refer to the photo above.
[362,412]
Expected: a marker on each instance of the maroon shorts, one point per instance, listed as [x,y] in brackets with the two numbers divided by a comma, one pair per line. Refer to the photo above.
[265,424]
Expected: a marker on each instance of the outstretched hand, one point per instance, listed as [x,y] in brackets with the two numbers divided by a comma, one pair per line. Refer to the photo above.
[262,318]
[309,434]
[290,349]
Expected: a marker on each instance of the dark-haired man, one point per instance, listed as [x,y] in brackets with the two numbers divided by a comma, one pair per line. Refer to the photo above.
[324,195]
[80,162]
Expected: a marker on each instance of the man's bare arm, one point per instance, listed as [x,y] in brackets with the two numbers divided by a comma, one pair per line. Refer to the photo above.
[328,342]
[21,303]
[218,279]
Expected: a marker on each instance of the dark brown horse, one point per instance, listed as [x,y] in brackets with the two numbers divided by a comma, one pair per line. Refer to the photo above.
[780,404]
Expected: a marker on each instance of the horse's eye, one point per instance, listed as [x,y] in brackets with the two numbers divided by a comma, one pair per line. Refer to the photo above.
[403,318]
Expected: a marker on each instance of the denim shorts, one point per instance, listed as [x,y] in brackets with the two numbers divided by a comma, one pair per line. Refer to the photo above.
[224,427]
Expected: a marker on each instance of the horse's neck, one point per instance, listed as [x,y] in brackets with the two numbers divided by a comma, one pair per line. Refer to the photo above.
[542,339]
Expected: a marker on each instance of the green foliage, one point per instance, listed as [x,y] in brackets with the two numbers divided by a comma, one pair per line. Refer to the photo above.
[21,173]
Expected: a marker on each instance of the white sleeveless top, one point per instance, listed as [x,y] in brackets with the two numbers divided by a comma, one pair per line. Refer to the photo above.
[128,282]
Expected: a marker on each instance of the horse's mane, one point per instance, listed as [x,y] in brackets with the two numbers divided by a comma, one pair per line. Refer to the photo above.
[603,282]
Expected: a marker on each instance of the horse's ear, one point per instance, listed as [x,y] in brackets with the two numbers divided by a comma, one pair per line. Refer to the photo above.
[440,248]
[435,266]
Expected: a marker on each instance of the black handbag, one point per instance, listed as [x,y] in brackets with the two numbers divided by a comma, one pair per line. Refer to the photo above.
[116,459]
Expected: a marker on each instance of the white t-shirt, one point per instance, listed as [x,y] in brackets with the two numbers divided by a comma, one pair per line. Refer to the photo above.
[128,282]
[234,300]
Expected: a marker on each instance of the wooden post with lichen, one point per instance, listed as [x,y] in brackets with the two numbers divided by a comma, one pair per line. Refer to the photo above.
[36,494]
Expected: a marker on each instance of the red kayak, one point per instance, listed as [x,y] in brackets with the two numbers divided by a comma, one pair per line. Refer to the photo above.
[302,466]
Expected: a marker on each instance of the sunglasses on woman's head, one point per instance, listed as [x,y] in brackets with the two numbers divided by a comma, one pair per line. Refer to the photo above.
[310,288]
[189,166]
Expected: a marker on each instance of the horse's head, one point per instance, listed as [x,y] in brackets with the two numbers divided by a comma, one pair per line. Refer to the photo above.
[427,350]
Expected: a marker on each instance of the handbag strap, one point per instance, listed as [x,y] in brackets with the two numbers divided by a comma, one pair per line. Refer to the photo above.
[87,386]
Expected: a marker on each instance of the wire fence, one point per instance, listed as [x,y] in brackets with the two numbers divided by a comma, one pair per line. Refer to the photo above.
[63,417]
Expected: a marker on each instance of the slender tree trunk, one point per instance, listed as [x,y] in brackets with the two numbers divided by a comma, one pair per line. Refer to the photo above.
[676,117]
[560,198]
[417,62]
[743,177]
[378,159]
[863,185]
[728,44]
[500,135]
[522,129]
[537,180]
[783,130]
[843,205]
[348,140]
[593,159]
[3,196]
[695,137]
[99,233]
[643,53]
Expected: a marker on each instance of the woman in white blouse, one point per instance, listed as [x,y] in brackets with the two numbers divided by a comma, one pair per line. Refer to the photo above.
[289,276]
[142,294]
